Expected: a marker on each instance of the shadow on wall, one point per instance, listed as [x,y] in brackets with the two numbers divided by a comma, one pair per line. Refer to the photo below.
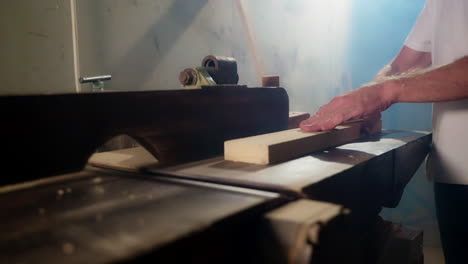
[144,44]
[164,32]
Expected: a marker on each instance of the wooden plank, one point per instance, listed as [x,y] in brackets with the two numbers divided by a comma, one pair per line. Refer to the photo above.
[295,118]
[285,145]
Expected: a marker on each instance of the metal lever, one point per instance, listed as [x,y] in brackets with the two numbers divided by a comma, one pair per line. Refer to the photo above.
[97,82]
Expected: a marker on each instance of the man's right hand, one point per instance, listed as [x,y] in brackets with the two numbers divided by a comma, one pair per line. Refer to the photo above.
[368,100]
[364,102]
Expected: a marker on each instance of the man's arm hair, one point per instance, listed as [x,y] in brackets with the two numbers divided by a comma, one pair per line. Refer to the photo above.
[445,83]
[407,59]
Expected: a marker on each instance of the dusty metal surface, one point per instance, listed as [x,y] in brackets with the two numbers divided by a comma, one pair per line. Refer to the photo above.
[294,229]
[102,216]
[375,168]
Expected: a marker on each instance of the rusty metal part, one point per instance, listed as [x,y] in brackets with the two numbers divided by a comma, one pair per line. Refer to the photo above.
[196,78]
[188,77]
[222,69]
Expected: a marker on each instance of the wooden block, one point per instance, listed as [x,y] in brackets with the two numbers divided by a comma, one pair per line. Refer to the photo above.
[270,81]
[295,118]
[286,145]
[373,127]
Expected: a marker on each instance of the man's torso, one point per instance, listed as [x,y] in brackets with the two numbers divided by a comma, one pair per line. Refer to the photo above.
[449,41]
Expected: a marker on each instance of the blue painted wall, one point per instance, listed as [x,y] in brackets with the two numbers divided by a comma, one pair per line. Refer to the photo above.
[379,29]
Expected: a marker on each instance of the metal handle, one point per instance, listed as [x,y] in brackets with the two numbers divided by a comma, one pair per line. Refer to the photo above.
[96,81]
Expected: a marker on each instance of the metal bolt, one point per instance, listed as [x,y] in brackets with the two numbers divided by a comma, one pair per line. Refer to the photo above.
[188,77]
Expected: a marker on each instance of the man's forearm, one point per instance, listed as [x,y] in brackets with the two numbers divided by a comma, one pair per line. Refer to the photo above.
[447,83]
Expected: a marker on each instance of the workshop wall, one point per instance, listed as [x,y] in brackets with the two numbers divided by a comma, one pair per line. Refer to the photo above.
[305,42]
[36,51]
[144,44]
[379,29]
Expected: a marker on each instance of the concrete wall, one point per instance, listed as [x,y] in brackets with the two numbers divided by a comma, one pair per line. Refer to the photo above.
[36,51]
[305,42]
[144,44]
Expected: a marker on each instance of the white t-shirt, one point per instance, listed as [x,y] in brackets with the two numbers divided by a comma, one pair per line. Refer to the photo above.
[442,29]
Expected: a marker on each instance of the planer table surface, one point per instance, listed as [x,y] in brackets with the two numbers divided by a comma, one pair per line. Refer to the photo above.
[379,165]
[104,216]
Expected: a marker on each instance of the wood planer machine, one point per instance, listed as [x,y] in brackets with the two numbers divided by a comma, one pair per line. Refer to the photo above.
[189,204]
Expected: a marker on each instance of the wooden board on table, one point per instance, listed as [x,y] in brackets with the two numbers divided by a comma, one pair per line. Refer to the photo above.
[289,144]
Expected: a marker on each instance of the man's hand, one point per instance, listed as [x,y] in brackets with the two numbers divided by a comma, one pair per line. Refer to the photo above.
[365,102]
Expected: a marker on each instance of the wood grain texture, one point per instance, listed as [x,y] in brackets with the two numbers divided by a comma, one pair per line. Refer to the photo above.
[295,118]
[286,145]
